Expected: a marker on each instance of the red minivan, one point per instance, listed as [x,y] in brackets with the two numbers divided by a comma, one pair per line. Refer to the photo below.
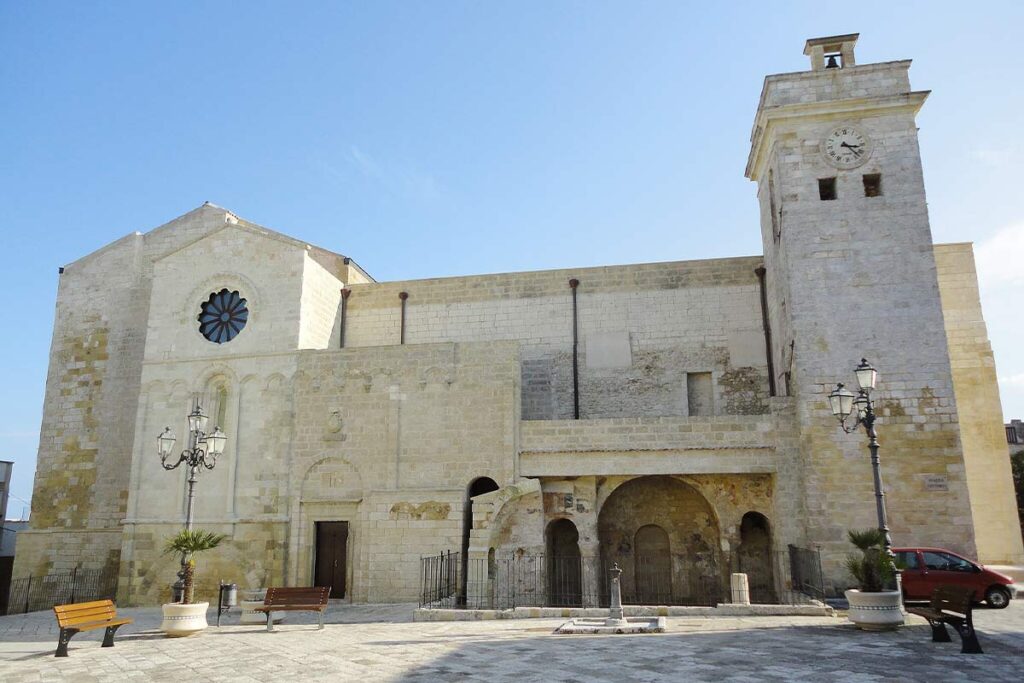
[925,569]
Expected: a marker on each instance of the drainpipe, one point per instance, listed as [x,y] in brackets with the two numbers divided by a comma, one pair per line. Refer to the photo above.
[403,296]
[573,284]
[760,271]
[344,310]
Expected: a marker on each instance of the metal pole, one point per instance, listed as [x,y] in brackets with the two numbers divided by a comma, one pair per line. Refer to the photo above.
[883,522]
[573,284]
[179,585]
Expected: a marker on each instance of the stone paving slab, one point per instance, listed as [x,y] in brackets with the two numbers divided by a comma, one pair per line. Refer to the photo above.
[382,643]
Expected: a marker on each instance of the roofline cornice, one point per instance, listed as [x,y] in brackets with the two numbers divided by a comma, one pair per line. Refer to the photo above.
[769,117]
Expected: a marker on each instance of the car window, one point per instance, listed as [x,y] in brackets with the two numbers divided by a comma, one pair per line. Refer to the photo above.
[946,562]
[906,559]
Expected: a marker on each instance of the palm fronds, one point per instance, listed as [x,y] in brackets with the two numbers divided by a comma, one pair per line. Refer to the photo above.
[187,542]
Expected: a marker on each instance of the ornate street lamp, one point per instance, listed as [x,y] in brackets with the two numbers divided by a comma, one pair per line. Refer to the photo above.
[844,403]
[203,449]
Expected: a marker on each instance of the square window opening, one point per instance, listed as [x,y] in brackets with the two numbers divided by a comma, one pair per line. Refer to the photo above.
[827,188]
[873,185]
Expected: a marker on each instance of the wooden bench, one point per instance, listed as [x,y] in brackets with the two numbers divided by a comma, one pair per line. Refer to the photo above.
[951,605]
[86,616]
[303,599]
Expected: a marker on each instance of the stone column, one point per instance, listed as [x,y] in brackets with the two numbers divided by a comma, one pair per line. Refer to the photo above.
[740,593]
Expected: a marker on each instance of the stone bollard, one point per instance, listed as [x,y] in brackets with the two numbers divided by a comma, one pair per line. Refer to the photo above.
[740,589]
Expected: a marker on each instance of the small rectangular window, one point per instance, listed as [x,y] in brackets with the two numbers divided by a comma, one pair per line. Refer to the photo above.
[873,185]
[827,188]
[699,394]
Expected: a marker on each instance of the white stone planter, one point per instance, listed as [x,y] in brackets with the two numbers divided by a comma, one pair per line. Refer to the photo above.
[184,620]
[875,611]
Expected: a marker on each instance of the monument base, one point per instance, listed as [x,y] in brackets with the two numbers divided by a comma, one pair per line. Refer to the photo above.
[629,625]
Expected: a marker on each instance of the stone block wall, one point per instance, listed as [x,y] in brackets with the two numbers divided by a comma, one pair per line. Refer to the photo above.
[856,277]
[862,81]
[398,433]
[321,298]
[642,329]
[92,389]
[993,503]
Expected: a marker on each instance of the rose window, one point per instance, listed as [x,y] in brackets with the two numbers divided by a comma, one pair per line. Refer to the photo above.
[223,316]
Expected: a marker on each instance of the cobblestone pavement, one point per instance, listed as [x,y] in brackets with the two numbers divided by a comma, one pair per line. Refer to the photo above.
[381,643]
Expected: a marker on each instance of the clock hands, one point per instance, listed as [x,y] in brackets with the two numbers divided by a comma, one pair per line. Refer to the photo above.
[852,148]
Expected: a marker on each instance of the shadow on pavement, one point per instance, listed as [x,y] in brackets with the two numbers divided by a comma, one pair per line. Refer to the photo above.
[769,654]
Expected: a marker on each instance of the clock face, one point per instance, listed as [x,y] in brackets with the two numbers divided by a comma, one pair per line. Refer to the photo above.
[846,147]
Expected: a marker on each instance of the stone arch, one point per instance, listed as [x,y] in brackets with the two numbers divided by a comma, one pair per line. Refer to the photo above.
[215,388]
[435,377]
[477,487]
[177,388]
[299,380]
[694,563]
[652,565]
[354,380]
[331,479]
[564,564]
[755,557]
[275,382]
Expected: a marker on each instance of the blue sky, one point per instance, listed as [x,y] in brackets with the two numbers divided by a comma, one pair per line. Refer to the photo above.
[442,138]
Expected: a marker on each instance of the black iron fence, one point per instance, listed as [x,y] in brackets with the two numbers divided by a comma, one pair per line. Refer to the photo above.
[34,593]
[787,577]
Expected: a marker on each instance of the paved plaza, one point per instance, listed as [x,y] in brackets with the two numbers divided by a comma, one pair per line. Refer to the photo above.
[382,643]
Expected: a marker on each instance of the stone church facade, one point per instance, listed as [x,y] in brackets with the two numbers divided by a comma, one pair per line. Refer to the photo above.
[673,405]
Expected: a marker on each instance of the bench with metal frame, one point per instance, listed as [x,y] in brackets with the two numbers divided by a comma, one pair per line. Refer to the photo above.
[301,599]
[951,605]
[87,616]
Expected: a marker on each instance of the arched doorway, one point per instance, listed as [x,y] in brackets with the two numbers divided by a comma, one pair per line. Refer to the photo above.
[652,561]
[682,566]
[477,487]
[565,586]
[755,557]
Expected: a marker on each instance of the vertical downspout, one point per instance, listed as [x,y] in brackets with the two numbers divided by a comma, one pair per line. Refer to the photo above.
[760,271]
[401,335]
[573,284]
[344,310]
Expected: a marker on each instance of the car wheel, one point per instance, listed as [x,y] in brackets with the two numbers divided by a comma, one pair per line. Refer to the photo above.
[997,597]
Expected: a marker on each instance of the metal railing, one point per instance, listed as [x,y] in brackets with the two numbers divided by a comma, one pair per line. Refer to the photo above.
[774,577]
[439,579]
[34,593]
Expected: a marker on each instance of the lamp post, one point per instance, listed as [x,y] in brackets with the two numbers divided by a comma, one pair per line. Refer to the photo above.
[843,403]
[203,450]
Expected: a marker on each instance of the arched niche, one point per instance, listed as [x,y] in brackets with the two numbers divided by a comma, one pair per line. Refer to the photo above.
[652,565]
[477,487]
[564,564]
[755,557]
[694,565]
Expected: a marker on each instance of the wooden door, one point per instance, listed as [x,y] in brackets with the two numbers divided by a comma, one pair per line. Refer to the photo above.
[331,547]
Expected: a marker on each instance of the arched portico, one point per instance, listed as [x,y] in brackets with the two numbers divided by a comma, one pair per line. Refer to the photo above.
[665,537]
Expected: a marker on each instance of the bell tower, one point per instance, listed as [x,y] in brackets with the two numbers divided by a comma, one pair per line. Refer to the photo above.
[851,273]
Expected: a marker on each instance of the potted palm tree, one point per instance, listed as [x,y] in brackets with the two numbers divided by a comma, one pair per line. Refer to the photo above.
[186,617]
[875,605]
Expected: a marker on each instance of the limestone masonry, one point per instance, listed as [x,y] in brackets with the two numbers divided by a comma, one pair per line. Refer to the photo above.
[670,417]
